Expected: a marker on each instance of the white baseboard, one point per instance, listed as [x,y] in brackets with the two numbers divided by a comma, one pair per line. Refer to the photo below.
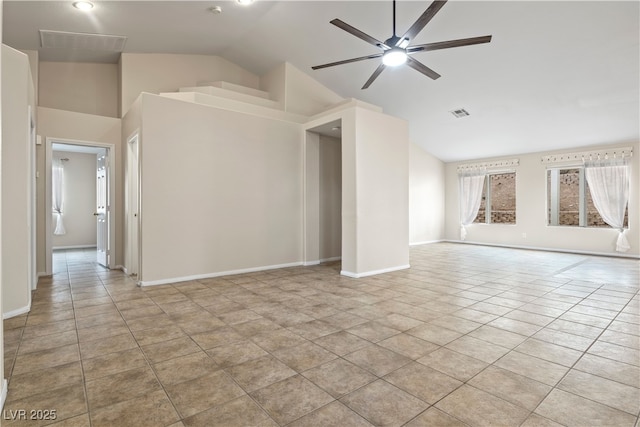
[44,274]
[57,248]
[426,242]
[3,393]
[538,248]
[374,272]
[320,261]
[18,312]
[217,274]
[119,267]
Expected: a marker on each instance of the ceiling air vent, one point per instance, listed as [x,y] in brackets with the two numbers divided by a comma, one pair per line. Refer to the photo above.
[459,113]
[85,41]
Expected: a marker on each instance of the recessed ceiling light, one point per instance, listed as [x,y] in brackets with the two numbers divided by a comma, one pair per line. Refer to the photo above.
[83,5]
[216,10]
[244,2]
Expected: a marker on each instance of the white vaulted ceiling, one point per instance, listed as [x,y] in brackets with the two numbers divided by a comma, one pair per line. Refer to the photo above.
[556,74]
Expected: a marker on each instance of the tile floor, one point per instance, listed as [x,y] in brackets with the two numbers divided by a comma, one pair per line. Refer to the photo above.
[469,335]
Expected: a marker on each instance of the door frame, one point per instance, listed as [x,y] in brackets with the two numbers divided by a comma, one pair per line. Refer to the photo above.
[133,195]
[112,204]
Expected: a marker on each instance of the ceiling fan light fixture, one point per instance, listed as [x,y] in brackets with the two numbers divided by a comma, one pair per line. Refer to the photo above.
[244,2]
[394,57]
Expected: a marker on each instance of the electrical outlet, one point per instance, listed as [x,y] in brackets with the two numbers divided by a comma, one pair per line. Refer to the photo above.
[524,235]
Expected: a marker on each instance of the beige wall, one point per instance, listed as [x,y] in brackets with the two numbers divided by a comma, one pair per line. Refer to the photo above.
[67,125]
[381,163]
[330,197]
[3,382]
[17,97]
[304,95]
[156,73]
[79,194]
[221,191]
[426,196]
[80,87]
[531,211]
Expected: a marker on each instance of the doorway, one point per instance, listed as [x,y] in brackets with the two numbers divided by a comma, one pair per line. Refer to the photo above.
[323,193]
[79,199]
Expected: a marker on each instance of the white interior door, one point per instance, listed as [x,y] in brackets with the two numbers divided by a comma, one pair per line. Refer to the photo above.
[102,209]
[133,203]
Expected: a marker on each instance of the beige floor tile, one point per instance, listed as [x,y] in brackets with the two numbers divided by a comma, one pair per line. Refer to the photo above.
[611,393]
[339,377]
[615,352]
[454,364]
[435,334]
[122,386]
[200,394]
[433,417]
[240,412]
[498,336]
[342,342]
[423,382]
[512,387]
[48,341]
[314,329]
[156,335]
[46,359]
[478,349]
[103,331]
[478,408]
[27,384]
[304,356]
[333,414]
[185,368]
[381,403]
[170,349]
[407,345]
[535,420]
[551,352]
[275,340]
[67,402]
[235,353]
[575,411]
[113,363]
[532,367]
[226,335]
[377,360]
[373,331]
[290,399]
[153,409]
[259,373]
[77,421]
[481,301]
[610,369]
[100,347]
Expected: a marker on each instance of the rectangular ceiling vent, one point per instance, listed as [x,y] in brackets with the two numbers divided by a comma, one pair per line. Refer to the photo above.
[85,41]
[459,113]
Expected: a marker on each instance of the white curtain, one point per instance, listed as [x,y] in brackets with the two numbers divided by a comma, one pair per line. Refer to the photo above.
[609,186]
[471,184]
[57,176]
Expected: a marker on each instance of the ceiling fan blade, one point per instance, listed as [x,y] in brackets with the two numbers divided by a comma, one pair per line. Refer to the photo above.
[419,66]
[359,34]
[448,44]
[422,21]
[346,61]
[375,75]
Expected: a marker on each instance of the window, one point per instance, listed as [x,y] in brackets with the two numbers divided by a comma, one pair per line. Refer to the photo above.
[569,201]
[498,205]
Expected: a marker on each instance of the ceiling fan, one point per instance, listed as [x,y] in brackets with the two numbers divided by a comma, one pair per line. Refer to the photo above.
[396,50]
